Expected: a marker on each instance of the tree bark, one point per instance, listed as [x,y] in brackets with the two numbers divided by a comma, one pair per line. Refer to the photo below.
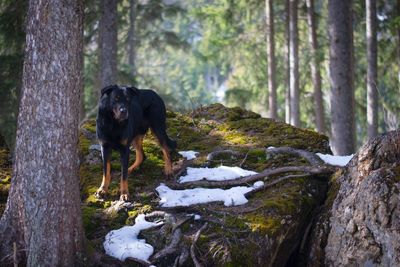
[341,76]
[314,65]
[132,38]
[269,11]
[287,63]
[43,216]
[294,65]
[108,39]
[372,75]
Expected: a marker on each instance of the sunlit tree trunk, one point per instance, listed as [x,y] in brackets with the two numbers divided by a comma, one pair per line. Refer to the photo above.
[372,76]
[341,76]
[43,217]
[108,39]
[294,65]
[287,62]
[314,64]
[269,11]
[132,38]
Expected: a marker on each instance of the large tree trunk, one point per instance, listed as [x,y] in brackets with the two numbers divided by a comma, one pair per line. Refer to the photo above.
[43,216]
[398,41]
[359,225]
[372,72]
[341,76]
[314,64]
[287,62]
[294,65]
[132,38]
[269,11]
[108,40]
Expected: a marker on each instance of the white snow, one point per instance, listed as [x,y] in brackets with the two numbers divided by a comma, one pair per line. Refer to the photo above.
[124,242]
[335,160]
[231,197]
[220,173]
[190,154]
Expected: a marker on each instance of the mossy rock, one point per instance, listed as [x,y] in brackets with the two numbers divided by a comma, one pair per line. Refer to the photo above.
[264,232]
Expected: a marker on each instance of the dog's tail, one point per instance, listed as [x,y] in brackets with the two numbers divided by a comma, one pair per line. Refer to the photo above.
[171,143]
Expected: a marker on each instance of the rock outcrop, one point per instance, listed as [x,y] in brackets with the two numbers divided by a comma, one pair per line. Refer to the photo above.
[361,225]
[267,231]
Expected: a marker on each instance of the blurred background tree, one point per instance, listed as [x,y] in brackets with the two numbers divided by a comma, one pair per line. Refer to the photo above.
[196,52]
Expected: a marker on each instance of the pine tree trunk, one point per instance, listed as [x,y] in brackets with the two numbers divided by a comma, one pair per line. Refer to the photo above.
[372,76]
[398,41]
[108,39]
[132,38]
[314,65]
[43,216]
[294,65]
[269,11]
[287,62]
[341,76]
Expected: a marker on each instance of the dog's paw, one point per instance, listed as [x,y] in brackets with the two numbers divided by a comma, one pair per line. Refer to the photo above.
[101,193]
[124,197]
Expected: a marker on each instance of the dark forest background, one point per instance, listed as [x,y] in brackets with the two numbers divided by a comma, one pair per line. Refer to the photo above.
[197,52]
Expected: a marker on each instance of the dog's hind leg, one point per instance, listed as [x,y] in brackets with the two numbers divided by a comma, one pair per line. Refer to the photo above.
[124,174]
[138,144]
[106,155]
[162,139]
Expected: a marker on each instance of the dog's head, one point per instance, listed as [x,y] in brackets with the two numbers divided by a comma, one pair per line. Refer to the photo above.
[118,99]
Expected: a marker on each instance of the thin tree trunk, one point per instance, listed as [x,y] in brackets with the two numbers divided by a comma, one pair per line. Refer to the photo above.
[269,11]
[287,62]
[108,39]
[398,41]
[341,76]
[314,65]
[294,65]
[132,38]
[43,215]
[372,75]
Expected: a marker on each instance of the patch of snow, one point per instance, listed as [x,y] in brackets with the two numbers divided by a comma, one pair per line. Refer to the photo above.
[335,160]
[220,173]
[124,242]
[231,197]
[197,217]
[188,154]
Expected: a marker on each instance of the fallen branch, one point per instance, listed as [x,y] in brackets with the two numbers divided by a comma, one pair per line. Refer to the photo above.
[192,253]
[142,262]
[313,159]
[171,247]
[182,258]
[323,169]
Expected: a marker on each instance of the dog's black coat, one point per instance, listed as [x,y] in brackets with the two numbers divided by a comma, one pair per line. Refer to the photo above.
[125,113]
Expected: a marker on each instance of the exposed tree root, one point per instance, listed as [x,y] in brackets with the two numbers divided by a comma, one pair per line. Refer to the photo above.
[192,252]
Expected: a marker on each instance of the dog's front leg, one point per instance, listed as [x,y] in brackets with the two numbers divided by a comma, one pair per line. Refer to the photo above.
[106,155]
[124,174]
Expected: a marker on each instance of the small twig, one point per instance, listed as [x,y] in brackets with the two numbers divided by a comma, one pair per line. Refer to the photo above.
[192,253]
[244,159]
[309,156]
[156,213]
[144,263]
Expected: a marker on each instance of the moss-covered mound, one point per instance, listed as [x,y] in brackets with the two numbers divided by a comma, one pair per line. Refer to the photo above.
[5,173]
[266,231]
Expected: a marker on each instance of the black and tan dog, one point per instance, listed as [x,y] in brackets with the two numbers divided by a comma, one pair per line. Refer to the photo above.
[125,115]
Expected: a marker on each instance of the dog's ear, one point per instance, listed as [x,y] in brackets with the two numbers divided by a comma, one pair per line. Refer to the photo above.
[107,89]
[133,90]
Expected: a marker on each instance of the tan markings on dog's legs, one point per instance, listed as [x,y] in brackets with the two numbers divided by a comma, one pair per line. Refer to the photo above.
[105,183]
[167,161]
[124,190]
[138,144]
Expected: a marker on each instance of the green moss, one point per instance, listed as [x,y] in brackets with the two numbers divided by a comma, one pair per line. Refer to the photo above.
[90,219]
[263,224]
[89,125]
[84,144]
